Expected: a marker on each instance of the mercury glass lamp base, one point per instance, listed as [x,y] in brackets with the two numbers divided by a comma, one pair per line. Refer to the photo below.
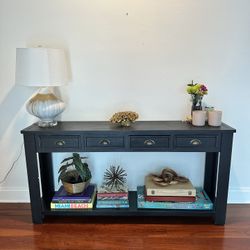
[46,124]
[46,106]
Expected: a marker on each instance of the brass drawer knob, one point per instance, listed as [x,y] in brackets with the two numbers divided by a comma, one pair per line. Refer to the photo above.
[105,142]
[149,142]
[195,142]
[60,143]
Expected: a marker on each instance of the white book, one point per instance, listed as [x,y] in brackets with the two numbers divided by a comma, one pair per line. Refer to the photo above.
[179,189]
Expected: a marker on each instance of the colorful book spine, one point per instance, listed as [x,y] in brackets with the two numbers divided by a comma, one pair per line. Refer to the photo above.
[74,205]
[61,196]
[103,198]
[167,192]
[112,205]
[171,198]
[202,202]
[114,190]
[112,195]
[71,205]
[84,200]
[112,202]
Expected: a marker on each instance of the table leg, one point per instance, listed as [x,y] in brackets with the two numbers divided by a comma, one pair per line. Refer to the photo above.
[33,178]
[223,179]
[211,166]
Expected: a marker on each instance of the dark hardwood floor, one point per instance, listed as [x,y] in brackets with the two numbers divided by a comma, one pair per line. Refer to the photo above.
[18,232]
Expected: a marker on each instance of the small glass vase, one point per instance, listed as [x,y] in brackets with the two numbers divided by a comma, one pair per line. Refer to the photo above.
[196,103]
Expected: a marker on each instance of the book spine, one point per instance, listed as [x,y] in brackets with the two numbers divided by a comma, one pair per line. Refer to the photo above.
[202,202]
[71,200]
[177,205]
[112,205]
[103,198]
[112,202]
[112,194]
[170,198]
[70,205]
[167,192]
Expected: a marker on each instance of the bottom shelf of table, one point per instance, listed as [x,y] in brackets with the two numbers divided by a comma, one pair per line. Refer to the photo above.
[131,211]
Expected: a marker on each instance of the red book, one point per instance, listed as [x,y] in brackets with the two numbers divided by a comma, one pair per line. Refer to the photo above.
[171,198]
[123,194]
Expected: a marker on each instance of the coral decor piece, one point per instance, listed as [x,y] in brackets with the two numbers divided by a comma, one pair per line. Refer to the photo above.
[125,118]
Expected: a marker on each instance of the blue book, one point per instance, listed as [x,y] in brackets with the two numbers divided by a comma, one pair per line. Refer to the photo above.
[112,202]
[61,196]
[112,205]
[202,202]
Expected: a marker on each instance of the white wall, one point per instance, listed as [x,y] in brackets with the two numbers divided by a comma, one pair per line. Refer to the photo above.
[136,55]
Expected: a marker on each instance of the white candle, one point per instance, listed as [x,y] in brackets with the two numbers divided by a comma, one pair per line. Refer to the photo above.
[214,118]
[198,118]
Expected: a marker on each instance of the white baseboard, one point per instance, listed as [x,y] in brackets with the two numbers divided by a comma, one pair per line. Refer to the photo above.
[14,195]
[239,195]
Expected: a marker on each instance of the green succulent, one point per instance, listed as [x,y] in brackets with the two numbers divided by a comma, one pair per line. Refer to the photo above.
[73,169]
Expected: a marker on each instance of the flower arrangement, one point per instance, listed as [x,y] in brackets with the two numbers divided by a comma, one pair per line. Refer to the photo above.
[197,91]
[124,118]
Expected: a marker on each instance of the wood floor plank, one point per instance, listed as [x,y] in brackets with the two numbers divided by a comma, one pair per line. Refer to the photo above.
[18,232]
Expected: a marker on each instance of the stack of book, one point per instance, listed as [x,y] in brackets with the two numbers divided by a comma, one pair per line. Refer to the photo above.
[176,196]
[112,198]
[84,200]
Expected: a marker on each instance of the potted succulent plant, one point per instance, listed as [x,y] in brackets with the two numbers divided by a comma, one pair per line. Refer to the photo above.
[74,174]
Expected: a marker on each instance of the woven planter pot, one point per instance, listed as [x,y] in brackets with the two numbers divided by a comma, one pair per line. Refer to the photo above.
[76,187]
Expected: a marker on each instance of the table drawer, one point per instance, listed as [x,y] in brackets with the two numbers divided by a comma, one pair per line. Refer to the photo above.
[197,141]
[149,142]
[58,142]
[105,142]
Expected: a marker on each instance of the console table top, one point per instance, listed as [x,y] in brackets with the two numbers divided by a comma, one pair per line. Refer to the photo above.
[106,126]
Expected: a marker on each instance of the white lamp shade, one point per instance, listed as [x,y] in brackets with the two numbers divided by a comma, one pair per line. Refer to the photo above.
[41,67]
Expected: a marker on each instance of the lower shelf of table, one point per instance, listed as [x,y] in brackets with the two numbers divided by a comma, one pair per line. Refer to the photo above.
[131,211]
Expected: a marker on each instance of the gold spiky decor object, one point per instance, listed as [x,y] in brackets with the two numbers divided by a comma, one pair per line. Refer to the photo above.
[115,177]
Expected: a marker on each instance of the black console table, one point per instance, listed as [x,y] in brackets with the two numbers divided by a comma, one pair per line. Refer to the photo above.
[165,136]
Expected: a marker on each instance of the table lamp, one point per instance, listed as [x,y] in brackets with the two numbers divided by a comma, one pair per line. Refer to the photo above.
[43,68]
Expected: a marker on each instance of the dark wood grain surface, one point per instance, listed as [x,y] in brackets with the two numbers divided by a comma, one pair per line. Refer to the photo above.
[18,232]
[93,126]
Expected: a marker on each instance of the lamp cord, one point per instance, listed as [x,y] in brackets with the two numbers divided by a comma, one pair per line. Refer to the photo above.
[12,165]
